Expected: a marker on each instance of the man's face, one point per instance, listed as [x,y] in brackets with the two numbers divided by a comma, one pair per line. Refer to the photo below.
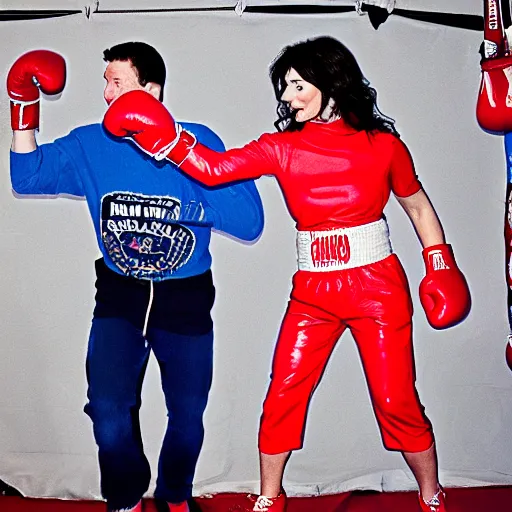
[121,77]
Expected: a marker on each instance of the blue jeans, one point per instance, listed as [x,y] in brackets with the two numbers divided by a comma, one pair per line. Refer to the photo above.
[116,363]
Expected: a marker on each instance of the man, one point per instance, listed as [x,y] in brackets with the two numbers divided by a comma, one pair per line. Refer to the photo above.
[154,284]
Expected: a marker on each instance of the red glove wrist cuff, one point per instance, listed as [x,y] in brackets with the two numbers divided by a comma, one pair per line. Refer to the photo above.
[439,257]
[24,115]
[182,149]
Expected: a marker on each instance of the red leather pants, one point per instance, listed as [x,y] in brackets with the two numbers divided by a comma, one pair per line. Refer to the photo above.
[374,302]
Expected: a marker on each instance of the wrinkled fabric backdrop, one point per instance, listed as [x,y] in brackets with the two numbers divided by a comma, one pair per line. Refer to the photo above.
[427,77]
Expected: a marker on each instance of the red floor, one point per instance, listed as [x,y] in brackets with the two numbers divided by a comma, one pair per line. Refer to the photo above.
[489,499]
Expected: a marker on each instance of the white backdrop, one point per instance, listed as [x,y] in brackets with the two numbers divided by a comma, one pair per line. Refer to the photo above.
[427,77]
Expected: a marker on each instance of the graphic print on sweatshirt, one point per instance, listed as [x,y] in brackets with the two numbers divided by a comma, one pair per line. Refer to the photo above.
[142,236]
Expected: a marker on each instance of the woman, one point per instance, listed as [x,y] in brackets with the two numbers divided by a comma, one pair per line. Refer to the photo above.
[336,158]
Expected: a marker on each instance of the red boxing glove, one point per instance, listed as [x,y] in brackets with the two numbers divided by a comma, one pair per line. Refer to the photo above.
[33,71]
[494,105]
[141,117]
[508,352]
[444,293]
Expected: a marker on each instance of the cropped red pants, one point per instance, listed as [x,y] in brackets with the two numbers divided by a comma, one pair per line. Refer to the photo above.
[374,302]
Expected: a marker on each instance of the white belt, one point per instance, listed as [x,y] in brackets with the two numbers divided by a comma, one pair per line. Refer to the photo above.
[339,249]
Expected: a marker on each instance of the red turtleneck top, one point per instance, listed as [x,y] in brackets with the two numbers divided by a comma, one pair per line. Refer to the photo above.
[331,175]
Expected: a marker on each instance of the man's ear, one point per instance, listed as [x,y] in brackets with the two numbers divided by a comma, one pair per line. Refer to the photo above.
[154,89]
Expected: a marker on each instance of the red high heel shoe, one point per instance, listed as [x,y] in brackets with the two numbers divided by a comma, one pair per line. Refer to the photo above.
[266,504]
[436,504]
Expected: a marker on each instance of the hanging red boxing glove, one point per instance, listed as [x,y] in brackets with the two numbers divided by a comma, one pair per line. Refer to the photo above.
[508,352]
[444,293]
[494,105]
[33,71]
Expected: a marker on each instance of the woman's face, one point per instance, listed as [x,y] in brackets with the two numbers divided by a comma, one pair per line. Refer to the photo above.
[303,97]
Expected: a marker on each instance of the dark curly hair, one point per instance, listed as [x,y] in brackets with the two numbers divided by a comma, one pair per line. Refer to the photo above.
[329,66]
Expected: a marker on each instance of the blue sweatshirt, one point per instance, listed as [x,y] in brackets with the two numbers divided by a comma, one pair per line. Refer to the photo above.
[152,221]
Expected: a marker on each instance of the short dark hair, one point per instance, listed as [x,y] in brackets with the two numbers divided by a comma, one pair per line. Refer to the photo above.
[145,59]
[330,67]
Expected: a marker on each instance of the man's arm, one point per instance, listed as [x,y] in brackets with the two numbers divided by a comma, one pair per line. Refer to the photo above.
[237,210]
[48,169]
[23,141]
